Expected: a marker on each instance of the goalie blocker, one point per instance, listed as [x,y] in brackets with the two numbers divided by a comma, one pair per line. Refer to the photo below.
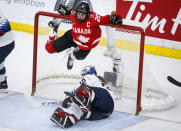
[113,79]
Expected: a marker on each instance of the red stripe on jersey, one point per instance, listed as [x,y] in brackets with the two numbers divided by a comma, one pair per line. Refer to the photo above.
[2,33]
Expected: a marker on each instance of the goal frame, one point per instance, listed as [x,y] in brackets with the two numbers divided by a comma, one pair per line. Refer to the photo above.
[129,27]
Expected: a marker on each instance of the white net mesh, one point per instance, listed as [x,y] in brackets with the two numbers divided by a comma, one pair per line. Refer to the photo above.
[50,66]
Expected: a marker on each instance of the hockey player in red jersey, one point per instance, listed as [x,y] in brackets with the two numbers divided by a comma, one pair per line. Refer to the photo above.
[84,35]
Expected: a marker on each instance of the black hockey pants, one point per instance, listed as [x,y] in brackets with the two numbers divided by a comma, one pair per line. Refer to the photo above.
[66,41]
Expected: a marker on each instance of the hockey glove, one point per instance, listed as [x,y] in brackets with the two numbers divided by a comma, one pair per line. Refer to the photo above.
[84,96]
[115,20]
[63,10]
[67,101]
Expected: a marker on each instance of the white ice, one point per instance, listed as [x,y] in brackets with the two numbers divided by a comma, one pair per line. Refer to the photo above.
[19,72]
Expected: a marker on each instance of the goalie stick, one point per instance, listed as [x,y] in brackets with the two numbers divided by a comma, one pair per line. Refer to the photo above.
[173,81]
[41,103]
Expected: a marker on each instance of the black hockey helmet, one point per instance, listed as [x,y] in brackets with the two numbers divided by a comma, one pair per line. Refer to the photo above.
[83,7]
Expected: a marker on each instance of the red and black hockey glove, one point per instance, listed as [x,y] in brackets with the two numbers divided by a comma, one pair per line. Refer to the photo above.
[115,20]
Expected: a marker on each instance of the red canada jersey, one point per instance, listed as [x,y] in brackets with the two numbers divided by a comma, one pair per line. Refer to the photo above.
[87,34]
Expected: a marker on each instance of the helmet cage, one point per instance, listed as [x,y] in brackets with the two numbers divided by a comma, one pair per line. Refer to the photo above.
[89,70]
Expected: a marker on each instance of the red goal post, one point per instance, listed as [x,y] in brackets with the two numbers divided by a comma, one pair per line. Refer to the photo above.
[126,27]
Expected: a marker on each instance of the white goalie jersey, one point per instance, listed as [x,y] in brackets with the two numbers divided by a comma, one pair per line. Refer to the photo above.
[95,81]
[92,81]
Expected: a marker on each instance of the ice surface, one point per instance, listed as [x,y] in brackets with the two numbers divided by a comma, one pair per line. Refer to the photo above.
[19,72]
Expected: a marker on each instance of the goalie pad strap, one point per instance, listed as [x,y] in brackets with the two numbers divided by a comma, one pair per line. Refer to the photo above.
[88,115]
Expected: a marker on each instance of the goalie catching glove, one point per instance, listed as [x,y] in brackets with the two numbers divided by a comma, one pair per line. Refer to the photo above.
[82,96]
[114,19]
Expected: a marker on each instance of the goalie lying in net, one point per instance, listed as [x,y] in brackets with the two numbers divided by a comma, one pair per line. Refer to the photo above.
[90,101]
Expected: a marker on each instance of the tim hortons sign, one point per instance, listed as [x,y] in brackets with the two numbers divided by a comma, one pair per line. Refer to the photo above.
[162,18]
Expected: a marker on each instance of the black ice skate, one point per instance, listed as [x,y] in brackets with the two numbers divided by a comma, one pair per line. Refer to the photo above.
[70,62]
[3,86]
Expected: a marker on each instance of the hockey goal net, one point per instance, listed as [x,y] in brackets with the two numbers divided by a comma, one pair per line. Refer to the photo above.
[138,83]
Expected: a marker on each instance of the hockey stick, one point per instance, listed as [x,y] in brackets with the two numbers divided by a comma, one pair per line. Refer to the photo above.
[41,103]
[66,2]
[173,81]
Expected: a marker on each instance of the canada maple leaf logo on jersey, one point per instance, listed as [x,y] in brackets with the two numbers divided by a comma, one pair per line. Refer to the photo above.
[83,39]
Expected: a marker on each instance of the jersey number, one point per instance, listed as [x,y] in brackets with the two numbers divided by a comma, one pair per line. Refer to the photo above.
[98,18]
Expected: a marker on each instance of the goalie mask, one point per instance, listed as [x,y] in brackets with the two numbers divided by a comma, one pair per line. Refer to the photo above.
[82,12]
[89,70]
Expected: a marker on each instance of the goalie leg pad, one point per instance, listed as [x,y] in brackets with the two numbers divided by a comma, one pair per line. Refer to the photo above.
[67,117]
[62,119]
